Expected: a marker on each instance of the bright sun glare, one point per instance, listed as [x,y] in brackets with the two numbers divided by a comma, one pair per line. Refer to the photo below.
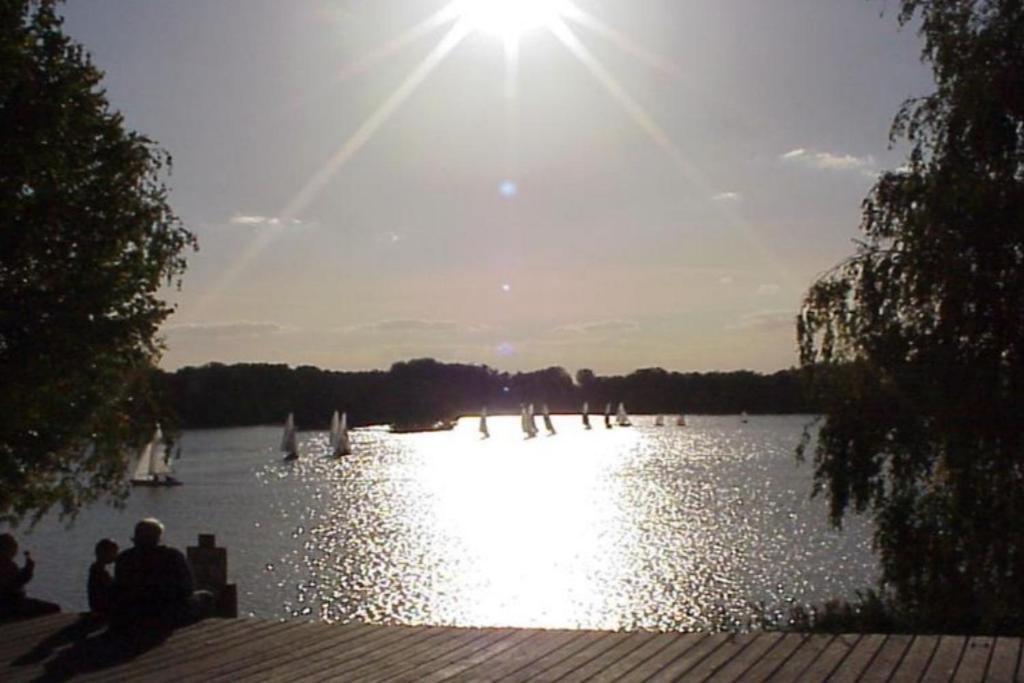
[510,18]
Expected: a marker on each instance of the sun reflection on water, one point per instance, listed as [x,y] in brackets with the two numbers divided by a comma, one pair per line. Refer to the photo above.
[644,527]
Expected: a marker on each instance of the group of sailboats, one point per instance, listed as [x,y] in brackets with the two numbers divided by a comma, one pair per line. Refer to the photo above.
[337,439]
[153,467]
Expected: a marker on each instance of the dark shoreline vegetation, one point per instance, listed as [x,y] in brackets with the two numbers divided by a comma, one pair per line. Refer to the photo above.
[425,390]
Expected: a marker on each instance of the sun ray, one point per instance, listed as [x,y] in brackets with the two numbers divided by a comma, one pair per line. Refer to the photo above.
[301,200]
[620,40]
[661,138]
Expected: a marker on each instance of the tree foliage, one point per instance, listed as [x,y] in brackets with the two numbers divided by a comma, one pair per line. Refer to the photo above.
[918,337]
[86,240]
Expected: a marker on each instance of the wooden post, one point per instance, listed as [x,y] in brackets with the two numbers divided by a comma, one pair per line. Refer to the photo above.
[210,570]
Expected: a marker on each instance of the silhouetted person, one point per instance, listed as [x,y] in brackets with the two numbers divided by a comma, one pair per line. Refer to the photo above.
[101,583]
[153,587]
[13,603]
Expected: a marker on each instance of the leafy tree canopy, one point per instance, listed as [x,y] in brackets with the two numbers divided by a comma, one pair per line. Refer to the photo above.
[86,241]
[919,336]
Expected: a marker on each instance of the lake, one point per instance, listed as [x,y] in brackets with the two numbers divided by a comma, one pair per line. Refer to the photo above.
[707,526]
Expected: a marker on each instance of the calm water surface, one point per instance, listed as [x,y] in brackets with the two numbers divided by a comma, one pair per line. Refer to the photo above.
[643,527]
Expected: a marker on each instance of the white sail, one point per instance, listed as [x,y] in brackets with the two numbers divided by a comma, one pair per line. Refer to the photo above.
[621,418]
[608,415]
[659,421]
[342,446]
[289,444]
[483,422]
[586,416]
[335,435]
[531,423]
[158,461]
[143,463]
[547,420]
[681,421]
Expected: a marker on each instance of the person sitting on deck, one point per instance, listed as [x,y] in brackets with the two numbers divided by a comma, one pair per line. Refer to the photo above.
[100,580]
[153,586]
[13,603]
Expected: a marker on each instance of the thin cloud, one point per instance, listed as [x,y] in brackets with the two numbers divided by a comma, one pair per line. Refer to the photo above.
[728,197]
[223,330]
[827,161]
[765,320]
[599,327]
[271,221]
[413,326]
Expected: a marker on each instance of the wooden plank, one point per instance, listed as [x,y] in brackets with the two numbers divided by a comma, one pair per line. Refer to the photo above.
[594,649]
[613,656]
[829,659]
[946,658]
[341,660]
[656,649]
[802,658]
[915,661]
[974,661]
[185,645]
[698,665]
[858,659]
[515,658]
[102,656]
[219,655]
[437,642]
[774,658]
[888,658]
[449,666]
[1005,656]
[461,642]
[681,652]
[532,671]
[308,662]
[414,650]
[16,635]
[733,669]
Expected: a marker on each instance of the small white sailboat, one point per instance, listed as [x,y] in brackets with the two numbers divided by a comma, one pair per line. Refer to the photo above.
[547,420]
[485,433]
[659,421]
[586,416]
[608,415]
[153,467]
[339,435]
[621,418]
[526,421]
[743,417]
[681,420]
[531,421]
[289,443]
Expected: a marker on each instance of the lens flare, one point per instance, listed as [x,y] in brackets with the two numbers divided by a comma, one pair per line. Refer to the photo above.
[510,18]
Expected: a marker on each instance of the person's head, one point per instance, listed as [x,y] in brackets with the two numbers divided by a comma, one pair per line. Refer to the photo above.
[106,551]
[148,533]
[8,546]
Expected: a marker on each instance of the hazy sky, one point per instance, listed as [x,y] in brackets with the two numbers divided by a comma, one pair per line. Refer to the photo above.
[651,183]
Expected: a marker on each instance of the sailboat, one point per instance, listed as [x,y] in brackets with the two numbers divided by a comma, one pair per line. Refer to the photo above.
[526,420]
[289,444]
[681,420]
[547,420]
[608,415]
[743,417]
[659,421]
[153,467]
[586,417]
[485,433]
[531,422]
[621,418]
[339,435]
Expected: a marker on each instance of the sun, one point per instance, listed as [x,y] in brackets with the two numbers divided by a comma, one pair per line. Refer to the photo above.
[508,19]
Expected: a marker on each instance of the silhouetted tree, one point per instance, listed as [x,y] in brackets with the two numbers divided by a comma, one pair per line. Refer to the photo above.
[920,334]
[86,240]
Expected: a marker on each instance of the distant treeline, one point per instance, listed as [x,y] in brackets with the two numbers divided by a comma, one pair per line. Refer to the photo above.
[217,395]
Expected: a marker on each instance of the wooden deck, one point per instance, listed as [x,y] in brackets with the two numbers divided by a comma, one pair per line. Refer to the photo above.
[56,648]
